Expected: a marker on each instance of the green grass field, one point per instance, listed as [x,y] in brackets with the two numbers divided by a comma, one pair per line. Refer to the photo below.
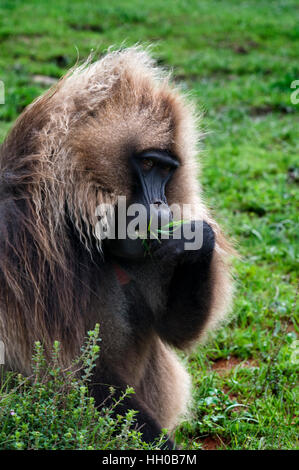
[237,59]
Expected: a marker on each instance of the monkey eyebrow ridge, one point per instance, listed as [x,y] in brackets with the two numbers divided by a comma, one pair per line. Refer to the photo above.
[156,154]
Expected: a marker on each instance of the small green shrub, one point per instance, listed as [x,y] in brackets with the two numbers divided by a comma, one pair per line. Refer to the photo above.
[53,409]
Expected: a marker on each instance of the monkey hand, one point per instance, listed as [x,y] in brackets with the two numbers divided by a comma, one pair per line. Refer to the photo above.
[190,243]
[189,283]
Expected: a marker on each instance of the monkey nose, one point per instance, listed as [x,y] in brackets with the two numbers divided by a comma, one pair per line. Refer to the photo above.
[158,203]
[161,215]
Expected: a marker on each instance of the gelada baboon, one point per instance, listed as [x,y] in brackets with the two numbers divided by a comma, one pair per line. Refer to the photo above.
[114,127]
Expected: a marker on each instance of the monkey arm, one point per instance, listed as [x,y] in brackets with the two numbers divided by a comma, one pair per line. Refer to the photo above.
[190,292]
[144,422]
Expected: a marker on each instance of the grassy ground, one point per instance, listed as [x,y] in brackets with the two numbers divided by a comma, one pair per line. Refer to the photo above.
[238,59]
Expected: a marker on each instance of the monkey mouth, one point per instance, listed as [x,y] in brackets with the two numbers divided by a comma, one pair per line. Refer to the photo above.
[139,242]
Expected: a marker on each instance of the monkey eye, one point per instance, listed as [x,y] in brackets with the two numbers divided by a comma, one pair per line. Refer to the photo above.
[147,164]
[166,169]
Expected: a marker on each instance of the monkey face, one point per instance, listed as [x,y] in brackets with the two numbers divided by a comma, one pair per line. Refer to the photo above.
[151,171]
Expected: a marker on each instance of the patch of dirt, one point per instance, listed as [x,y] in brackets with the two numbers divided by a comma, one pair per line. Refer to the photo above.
[227,392]
[212,443]
[290,328]
[27,38]
[193,77]
[245,48]
[87,27]
[224,366]
[44,80]
[61,60]
[234,398]
[265,109]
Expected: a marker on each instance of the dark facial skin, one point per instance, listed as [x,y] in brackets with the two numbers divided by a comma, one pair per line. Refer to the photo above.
[152,170]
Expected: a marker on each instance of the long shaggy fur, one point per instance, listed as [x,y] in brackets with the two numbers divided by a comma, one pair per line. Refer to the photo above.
[67,153]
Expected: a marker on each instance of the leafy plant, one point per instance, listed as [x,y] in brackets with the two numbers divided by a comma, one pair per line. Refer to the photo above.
[53,409]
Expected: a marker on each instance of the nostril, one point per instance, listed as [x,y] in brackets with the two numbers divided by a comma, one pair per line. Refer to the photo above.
[158,203]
